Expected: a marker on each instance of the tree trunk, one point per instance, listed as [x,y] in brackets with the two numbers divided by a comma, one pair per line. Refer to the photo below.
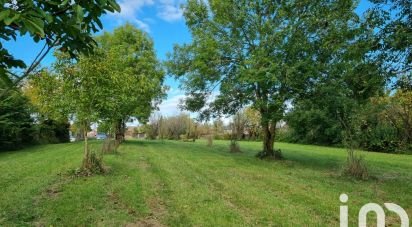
[268,139]
[86,157]
[119,131]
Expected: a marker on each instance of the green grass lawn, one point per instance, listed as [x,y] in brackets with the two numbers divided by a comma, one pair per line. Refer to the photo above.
[153,183]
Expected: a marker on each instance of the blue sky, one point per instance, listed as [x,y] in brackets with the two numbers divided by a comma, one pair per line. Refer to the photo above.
[161,19]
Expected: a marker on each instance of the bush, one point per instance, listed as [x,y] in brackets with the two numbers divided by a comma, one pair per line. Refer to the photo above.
[355,166]
[313,126]
[234,146]
[50,131]
[218,136]
[209,140]
[374,131]
[227,136]
[284,135]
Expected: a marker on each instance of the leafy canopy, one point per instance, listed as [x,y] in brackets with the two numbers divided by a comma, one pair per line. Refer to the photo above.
[67,24]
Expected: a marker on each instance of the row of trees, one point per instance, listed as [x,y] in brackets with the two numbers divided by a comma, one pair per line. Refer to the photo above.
[244,125]
[180,127]
[121,79]
[63,25]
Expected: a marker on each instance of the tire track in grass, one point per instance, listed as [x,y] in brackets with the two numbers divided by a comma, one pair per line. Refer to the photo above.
[123,189]
[318,208]
[187,189]
[153,198]
[225,192]
[218,186]
[263,189]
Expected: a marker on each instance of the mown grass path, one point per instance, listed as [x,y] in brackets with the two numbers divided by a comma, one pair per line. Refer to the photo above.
[154,183]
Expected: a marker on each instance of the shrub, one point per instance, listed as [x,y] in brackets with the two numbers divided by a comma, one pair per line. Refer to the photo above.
[234,146]
[284,135]
[50,131]
[355,166]
[209,140]
[218,136]
[109,146]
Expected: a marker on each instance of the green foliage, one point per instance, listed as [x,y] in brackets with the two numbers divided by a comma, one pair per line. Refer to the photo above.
[18,110]
[50,131]
[16,124]
[313,126]
[66,24]
[136,86]
[373,130]
[264,54]
[43,90]
[379,124]
[394,18]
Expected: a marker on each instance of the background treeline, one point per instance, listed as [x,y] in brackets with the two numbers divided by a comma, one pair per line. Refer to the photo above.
[21,125]
[180,127]
[382,124]
[243,126]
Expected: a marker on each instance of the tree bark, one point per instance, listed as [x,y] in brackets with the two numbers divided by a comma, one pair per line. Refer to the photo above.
[86,157]
[268,139]
[119,131]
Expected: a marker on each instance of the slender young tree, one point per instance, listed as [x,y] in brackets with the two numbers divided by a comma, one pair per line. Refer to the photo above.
[119,80]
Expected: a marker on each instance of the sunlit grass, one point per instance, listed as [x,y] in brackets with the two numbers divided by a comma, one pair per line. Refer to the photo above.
[190,184]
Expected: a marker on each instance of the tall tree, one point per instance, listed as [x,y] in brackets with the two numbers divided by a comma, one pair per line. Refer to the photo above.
[140,89]
[258,53]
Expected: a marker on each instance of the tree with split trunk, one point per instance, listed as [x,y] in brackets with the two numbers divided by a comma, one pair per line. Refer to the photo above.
[261,54]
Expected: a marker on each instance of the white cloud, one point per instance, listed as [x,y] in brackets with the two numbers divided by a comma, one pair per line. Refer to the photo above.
[169,10]
[130,10]
[170,106]
[131,7]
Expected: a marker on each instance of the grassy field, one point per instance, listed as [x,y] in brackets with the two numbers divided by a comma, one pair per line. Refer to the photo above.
[153,183]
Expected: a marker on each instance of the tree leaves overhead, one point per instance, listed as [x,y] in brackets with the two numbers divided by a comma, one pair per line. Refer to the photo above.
[394,30]
[67,24]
